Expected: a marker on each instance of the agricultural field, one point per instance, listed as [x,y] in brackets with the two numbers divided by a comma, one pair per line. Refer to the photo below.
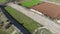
[2,1]
[30,3]
[26,21]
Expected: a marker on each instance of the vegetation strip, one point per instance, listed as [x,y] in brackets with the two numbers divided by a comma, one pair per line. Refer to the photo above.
[3,32]
[57,1]
[43,30]
[2,1]
[27,22]
[30,3]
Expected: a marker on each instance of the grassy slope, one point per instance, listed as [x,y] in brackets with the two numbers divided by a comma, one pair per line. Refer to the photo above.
[2,1]
[30,3]
[27,22]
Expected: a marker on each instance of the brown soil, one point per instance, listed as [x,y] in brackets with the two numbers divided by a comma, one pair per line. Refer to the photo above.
[51,10]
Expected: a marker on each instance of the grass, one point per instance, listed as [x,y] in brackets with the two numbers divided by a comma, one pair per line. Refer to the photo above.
[57,1]
[30,3]
[10,30]
[2,1]
[16,33]
[3,32]
[3,18]
[44,29]
[26,21]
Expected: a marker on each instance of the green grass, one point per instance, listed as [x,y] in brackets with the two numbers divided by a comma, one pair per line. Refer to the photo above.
[7,31]
[10,29]
[57,1]
[3,32]
[44,29]
[2,1]
[30,3]
[27,22]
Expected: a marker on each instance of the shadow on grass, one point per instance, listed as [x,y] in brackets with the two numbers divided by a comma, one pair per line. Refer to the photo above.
[15,22]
